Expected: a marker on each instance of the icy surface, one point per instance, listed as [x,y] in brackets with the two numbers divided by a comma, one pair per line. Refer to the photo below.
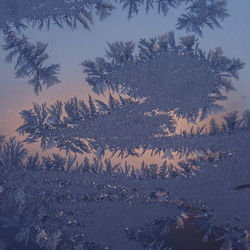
[201,181]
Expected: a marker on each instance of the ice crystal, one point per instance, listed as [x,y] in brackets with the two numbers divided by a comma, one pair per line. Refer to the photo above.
[201,13]
[30,60]
[197,14]
[12,153]
[53,240]
[56,12]
[166,73]
[165,78]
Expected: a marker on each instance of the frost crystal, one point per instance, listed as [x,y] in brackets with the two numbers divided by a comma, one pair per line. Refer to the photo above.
[30,59]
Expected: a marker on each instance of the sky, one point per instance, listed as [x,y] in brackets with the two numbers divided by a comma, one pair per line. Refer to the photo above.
[70,48]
